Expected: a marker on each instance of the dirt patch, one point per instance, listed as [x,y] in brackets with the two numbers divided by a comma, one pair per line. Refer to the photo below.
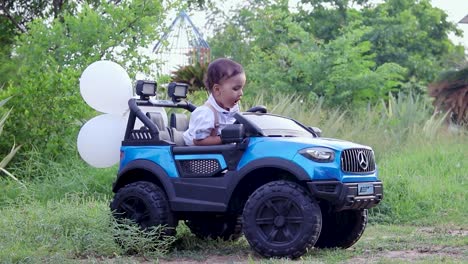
[414,255]
[212,260]
[453,232]
[453,253]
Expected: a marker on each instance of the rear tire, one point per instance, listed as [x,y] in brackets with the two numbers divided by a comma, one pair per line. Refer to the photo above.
[342,229]
[226,227]
[281,220]
[145,204]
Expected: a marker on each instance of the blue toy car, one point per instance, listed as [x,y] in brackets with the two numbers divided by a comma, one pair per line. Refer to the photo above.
[275,180]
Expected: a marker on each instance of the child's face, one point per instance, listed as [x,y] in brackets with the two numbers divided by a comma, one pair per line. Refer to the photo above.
[229,92]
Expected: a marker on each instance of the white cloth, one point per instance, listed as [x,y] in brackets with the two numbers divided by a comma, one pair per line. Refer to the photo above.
[202,121]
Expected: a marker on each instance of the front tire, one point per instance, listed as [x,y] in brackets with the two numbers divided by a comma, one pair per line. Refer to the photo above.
[281,220]
[145,204]
[342,229]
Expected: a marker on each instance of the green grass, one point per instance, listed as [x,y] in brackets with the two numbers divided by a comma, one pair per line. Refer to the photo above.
[46,180]
[71,226]
[77,230]
[425,183]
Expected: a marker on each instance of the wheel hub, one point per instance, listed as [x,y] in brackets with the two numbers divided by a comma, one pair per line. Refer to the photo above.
[279,221]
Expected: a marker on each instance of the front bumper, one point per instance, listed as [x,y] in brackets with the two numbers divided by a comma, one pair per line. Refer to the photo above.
[344,196]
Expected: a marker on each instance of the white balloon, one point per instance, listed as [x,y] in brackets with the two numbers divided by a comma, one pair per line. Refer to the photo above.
[106,87]
[100,139]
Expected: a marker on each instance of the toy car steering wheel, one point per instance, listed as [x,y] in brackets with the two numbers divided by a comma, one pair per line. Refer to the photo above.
[258,109]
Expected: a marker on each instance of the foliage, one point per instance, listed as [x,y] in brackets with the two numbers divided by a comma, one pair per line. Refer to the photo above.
[51,57]
[192,75]
[21,12]
[413,34]
[284,57]
[48,180]
[135,241]
[350,52]
[15,19]
[4,162]
[7,34]
[349,74]
[77,227]
[327,18]
[232,39]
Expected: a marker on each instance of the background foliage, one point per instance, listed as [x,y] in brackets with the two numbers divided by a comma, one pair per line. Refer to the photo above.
[49,58]
[349,52]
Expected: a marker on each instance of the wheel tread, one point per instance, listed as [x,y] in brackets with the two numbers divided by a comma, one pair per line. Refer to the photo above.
[155,197]
[306,202]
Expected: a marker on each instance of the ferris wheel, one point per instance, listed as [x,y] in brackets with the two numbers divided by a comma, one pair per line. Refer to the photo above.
[181,45]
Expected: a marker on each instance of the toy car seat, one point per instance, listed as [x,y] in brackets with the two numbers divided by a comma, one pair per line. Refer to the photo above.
[178,123]
[157,118]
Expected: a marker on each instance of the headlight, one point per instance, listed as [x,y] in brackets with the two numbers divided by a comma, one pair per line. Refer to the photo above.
[319,154]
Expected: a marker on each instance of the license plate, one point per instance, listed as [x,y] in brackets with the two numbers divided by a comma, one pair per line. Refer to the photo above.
[365,188]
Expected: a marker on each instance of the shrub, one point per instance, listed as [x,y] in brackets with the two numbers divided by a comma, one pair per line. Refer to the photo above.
[192,75]
[13,150]
[50,58]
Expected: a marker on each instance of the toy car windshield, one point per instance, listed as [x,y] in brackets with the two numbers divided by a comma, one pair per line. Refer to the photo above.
[277,126]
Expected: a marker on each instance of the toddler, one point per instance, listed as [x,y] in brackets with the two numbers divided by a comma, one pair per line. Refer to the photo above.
[225,80]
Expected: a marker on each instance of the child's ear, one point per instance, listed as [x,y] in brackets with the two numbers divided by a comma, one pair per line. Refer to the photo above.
[215,88]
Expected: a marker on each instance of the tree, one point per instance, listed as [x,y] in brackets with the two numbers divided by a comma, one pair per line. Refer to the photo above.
[282,56]
[348,51]
[350,75]
[15,17]
[50,58]
[327,18]
[413,34]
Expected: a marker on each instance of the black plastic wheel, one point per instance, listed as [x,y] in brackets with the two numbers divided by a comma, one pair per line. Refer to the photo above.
[281,220]
[226,227]
[342,229]
[146,204]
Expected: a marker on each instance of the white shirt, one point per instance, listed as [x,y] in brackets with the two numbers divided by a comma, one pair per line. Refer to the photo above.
[202,121]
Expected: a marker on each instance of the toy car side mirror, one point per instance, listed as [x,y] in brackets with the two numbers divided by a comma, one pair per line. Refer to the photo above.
[233,133]
[316,130]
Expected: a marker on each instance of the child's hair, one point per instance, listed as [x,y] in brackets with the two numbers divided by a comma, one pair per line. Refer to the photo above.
[220,70]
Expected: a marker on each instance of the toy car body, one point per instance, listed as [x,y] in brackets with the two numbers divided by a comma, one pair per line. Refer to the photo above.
[274,180]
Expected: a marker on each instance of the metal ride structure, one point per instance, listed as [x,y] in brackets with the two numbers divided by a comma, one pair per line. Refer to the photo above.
[181,45]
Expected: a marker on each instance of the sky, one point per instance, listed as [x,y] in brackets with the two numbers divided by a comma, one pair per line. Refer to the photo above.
[456,10]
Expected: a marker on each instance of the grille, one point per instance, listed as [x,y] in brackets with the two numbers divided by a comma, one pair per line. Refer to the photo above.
[203,167]
[354,160]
